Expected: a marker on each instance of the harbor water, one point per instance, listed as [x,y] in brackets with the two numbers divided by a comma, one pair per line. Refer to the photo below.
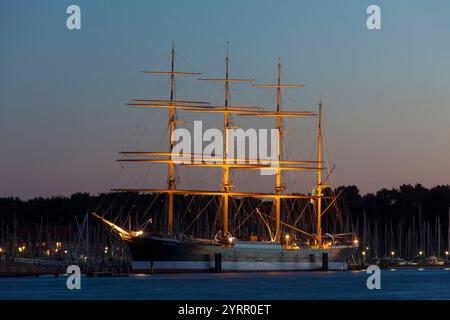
[432,283]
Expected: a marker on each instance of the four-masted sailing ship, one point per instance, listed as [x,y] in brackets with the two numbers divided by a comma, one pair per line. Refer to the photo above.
[156,252]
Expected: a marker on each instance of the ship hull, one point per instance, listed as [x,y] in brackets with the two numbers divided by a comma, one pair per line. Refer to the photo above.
[157,255]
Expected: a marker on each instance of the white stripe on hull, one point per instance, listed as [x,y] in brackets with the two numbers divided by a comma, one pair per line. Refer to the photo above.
[145,266]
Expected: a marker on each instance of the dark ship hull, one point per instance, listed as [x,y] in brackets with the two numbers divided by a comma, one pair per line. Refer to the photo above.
[155,254]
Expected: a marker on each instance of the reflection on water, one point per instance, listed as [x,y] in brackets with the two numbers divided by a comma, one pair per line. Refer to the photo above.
[401,284]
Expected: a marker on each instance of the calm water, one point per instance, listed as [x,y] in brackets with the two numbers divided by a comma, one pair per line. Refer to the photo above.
[398,284]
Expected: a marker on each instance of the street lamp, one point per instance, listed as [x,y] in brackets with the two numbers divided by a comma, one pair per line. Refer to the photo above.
[392,253]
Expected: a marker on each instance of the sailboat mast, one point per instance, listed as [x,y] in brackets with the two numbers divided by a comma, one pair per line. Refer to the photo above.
[319,177]
[226,171]
[278,175]
[171,179]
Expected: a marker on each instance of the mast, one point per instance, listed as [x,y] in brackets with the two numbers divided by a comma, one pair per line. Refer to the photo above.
[319,177]
[172,105]
[226,168]
[278,188]
[171,179]
[279,114]
[226,186]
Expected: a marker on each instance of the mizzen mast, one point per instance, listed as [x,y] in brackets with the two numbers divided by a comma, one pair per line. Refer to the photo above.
[278,183]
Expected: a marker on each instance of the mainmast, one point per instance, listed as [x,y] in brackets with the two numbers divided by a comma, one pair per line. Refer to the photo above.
[226,186]
[226,168]
[319,177]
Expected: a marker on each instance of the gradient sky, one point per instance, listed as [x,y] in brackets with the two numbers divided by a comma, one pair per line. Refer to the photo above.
[63,93]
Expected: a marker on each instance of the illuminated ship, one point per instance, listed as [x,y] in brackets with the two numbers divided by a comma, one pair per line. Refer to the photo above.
[282,246]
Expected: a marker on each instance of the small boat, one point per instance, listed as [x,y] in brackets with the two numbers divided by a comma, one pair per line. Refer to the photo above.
[433,261]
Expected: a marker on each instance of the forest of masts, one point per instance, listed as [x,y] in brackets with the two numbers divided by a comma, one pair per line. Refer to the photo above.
[420,239]
[80,236]
[79,239]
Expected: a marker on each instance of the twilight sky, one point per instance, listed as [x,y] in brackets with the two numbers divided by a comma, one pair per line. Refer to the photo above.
[62,93]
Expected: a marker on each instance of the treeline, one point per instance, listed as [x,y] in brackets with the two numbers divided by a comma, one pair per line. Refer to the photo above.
[407,219]
[403,221]
[397,204]
[386,205]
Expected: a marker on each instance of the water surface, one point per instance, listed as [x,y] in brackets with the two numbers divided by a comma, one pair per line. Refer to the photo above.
[395,284]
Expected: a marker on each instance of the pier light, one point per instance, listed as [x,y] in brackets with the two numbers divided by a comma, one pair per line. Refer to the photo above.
[367,248]
[420,253]
[1,250]
[65,251]
[355,241]
[446,253]
[392,253]
[363,253]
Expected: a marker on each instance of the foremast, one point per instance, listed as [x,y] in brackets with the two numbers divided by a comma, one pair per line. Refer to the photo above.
[172,103]
[171,179]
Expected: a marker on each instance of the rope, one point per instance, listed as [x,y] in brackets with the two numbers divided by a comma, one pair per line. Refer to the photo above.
[200,213]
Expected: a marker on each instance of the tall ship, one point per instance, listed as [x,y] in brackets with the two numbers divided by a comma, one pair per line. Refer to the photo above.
[245,231]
